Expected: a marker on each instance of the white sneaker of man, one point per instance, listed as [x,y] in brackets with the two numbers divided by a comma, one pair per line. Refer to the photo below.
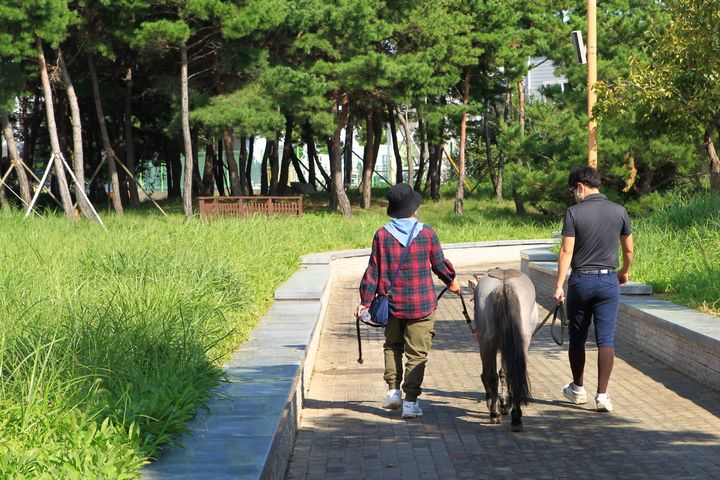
[412,409]
[602,400]
[393,399]
[575,394]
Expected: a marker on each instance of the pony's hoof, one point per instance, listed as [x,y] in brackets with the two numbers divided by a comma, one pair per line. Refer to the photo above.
[495,420]
[517,427]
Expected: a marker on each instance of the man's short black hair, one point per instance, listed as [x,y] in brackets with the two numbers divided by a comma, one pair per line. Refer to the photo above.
[586,175]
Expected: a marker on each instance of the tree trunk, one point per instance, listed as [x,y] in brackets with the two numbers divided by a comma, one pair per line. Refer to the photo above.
[296,165]
[630,181]
[52,131]
[235,182]
[187,141]
[208,187]
[348,147]
[423,155]
[338,197]
[248,167]
[174,190]
[368,167]
[714,160]
[435,173]
[197,181]
[460,194]
[78,156]
[220,170]
[313,158]
[24,121]
[242,162]
[274,167]
[264,183]
[488,149]
[378,125]
[31,131]
[519,205]
[63,127]
[3,196]
[310,148]
[501,154]
[521,101]
[432,164]
[129,141]
[396,147]
[403,117]
[15,158]
[283,186]
[499,176]
[107,147]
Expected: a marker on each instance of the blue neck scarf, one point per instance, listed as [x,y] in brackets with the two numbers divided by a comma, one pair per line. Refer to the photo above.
[400,228]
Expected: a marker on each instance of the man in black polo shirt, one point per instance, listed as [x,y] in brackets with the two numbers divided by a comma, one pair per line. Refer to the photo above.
[590,237]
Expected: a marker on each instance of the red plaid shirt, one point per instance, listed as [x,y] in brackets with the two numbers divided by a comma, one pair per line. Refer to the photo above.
[413,294]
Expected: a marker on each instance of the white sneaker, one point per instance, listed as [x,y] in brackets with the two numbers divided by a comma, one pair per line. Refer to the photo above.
[393,399]
[603,403]
[574,396]
[412,409]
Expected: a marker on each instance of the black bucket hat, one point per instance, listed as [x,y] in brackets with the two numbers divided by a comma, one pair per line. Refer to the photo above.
[403,201]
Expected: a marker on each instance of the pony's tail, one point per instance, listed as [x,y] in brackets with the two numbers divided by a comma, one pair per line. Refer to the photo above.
[509,322]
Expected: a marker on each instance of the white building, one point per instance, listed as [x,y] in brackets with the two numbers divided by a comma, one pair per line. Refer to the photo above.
[542,74]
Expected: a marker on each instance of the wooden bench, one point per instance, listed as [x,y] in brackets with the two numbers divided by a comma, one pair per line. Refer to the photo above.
[224,206]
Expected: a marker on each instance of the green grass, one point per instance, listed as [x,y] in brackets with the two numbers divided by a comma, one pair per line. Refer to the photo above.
[678,253]
[110,341]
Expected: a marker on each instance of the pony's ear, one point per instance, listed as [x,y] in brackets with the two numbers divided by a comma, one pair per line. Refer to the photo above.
[471,284]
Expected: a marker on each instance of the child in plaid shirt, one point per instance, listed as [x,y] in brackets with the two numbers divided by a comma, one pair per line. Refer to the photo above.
[412,299]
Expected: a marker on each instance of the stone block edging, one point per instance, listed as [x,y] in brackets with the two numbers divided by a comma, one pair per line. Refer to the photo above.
[685,339]
[253,419]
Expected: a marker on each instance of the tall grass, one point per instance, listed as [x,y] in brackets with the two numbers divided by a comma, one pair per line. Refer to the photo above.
[678,252]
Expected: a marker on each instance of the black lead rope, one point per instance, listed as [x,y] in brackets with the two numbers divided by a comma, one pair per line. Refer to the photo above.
[558,310]
[464,311]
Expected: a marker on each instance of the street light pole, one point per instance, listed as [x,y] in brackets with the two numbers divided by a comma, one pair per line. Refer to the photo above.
[592,78]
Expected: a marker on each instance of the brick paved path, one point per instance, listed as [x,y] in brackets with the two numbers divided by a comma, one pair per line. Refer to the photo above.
[663,426]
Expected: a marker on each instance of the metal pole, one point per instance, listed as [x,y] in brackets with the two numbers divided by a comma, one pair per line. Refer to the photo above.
[592,78]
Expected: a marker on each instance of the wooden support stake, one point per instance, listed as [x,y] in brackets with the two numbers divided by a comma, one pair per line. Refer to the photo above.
[81,190]
[456,169]
[40,186]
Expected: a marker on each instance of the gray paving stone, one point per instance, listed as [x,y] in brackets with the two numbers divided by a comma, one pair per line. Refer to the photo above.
[290,312]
